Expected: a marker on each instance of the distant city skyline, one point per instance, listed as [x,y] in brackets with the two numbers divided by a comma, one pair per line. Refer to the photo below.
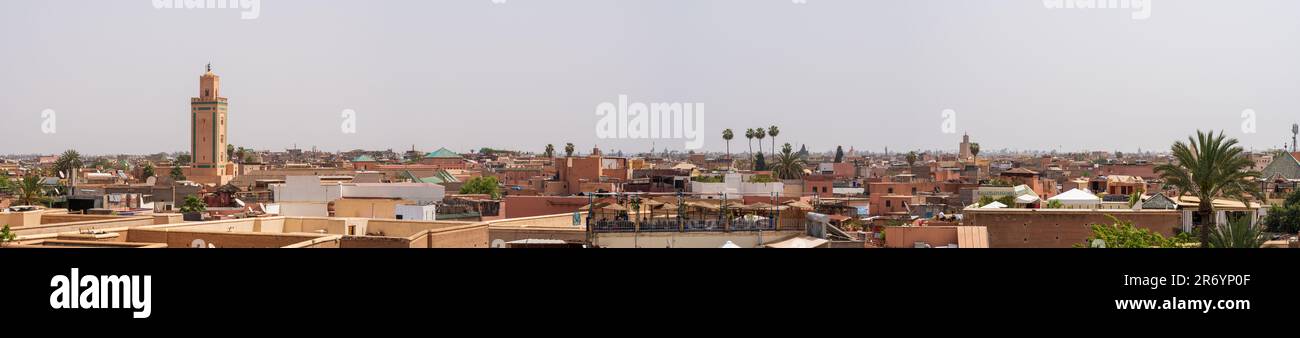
[518,75]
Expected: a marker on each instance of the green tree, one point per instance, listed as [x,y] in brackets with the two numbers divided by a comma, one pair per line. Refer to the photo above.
[1238,233]
[69,160]
[773,131]
[759,163]
[1055,204]
[568,150]
[911,158]
[177,174]
[486,185]
[101,163]
[1008,200]
[184,159]
[147,171]
[7,235]
[975,149]
[193,204]
[787,165]
[1285,217]
[1122,234]
[30,190]
[1210,166]
[414,156]
[727,135]
[230,151]
[550,151]
[839,154]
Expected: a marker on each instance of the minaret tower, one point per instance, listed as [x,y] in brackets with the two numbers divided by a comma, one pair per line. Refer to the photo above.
[208,132]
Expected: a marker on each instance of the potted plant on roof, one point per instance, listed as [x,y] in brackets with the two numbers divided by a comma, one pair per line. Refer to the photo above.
[7,235]
[193,209]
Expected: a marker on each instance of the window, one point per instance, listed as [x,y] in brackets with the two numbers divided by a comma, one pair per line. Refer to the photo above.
[352,230]
[891,190]
[888,204]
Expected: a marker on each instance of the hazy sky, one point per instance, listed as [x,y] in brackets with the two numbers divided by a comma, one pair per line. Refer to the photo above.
[471,73]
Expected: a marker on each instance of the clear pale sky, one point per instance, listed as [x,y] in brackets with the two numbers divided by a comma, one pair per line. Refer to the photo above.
[466,74]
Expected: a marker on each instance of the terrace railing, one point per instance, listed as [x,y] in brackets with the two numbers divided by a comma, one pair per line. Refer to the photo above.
[673,225]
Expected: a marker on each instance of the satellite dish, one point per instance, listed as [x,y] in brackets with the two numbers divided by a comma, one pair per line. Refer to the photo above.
[61,175]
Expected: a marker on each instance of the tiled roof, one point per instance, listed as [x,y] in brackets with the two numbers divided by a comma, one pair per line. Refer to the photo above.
[1285,165]
[442,153]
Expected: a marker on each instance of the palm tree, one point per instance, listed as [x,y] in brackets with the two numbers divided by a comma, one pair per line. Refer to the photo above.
[30,191]
[70,160]
[240,153]
[773,131]
[1210,167]
[550,150]
[1238,233]
[728,135]
[759,134]
[749,134]
[787,165]
[568,150]
[975,149]
[911,158]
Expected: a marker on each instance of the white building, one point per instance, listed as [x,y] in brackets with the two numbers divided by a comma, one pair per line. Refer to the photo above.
[1077,199]
[306,196]
[417,212]
[735,185]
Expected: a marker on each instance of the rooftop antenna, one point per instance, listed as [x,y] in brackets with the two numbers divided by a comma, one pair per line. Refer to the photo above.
[1295,129]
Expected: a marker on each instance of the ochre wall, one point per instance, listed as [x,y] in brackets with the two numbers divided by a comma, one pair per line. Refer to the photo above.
[1059,228]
